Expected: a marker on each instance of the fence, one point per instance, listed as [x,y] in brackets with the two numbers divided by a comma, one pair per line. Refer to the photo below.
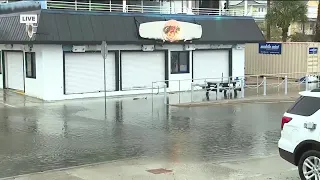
[295,57]
[162,8]
[247,86]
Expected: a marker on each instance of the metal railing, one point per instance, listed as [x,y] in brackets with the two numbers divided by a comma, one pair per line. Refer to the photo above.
[192,90]
[261,15]
[161,9]
[83,6]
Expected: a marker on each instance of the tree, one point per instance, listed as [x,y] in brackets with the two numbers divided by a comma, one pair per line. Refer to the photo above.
[268,24]
[317,35]
[283,13]
[300,37]
[275,32]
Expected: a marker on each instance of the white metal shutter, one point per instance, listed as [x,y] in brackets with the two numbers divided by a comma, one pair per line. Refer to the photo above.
[14,68]
[84,73]
[140,69]
[210,64]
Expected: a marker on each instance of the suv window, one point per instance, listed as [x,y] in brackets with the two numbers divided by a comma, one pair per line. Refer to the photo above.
[305,106]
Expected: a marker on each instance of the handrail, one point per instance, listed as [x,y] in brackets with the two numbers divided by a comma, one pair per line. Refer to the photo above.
[263,14]
[84,6]
[90,6]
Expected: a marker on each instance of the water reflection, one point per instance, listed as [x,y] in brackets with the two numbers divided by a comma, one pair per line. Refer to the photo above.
[55,136]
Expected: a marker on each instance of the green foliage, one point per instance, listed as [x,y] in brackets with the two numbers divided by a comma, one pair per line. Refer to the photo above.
[300,37]
[275,32]
[283,13]
[317,35]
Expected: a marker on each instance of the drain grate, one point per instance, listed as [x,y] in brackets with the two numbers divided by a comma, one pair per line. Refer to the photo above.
[159,171]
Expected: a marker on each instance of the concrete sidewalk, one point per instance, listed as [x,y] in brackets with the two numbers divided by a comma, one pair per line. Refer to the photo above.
[254,99]
[272,167]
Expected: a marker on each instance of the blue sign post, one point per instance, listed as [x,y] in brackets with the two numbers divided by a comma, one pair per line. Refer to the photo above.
[313,50]
[270,48]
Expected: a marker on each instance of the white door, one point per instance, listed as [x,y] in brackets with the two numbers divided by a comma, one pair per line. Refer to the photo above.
[140,69]
[14,70]
[84,73]
[210,64]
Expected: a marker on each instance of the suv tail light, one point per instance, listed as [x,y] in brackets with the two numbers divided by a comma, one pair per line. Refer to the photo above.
[285,120]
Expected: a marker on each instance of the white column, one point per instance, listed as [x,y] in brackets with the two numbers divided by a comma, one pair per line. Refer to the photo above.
[124,5]
[142,6]
[190,5]
[245,7]
[221,6]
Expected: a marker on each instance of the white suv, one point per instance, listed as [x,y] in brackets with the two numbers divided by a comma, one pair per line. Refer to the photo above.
[300,135]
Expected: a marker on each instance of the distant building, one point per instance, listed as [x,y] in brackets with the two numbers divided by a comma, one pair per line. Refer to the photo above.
[258,10]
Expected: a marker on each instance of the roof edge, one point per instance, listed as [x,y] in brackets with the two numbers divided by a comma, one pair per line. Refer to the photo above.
[124,43]
[38,12]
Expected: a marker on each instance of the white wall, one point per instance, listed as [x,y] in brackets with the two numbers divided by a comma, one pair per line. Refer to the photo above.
[33,87]
[238,59]
[52,57]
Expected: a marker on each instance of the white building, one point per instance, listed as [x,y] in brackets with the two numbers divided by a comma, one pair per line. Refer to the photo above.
[63,58]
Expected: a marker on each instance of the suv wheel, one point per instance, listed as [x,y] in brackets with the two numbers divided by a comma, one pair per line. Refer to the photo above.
[309,165]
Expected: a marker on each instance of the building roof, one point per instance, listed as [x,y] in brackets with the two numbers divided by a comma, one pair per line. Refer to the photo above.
[19,6]
[76,27]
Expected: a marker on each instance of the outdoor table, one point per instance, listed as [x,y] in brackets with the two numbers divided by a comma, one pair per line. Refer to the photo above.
[222,86]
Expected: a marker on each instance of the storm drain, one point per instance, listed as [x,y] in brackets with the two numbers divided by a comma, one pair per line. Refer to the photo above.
[159,171]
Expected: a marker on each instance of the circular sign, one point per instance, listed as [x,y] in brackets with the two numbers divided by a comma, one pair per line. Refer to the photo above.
[172,31]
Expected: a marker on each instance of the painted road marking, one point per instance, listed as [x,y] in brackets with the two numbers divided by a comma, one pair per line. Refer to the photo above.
[7,104]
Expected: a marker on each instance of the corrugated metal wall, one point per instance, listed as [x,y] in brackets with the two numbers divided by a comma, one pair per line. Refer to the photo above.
[293,59]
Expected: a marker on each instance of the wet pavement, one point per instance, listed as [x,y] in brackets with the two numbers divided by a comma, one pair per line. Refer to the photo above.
[271,167]
[37,136]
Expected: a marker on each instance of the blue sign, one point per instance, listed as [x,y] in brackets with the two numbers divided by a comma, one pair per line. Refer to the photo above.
[270,48]
[313,50]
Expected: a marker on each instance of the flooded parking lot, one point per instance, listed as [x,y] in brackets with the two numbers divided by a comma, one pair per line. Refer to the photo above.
[58,135]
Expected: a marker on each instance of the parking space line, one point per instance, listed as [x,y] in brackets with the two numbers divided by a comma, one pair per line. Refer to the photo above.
[7,104]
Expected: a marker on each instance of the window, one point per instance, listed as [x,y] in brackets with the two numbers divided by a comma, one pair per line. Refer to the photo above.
[260,9]
[179,62]
[30,58]
[312,26]
[305,106]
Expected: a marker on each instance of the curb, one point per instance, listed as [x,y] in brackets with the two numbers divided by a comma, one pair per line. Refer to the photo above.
[69,168]
[19,92]
[238,101]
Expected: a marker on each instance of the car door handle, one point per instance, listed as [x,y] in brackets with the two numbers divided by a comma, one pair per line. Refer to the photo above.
[310,125]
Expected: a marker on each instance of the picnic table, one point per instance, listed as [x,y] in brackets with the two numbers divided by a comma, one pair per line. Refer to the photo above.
[224,86]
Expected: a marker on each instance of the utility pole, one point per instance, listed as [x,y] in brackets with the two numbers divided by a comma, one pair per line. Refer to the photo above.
[104,53]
